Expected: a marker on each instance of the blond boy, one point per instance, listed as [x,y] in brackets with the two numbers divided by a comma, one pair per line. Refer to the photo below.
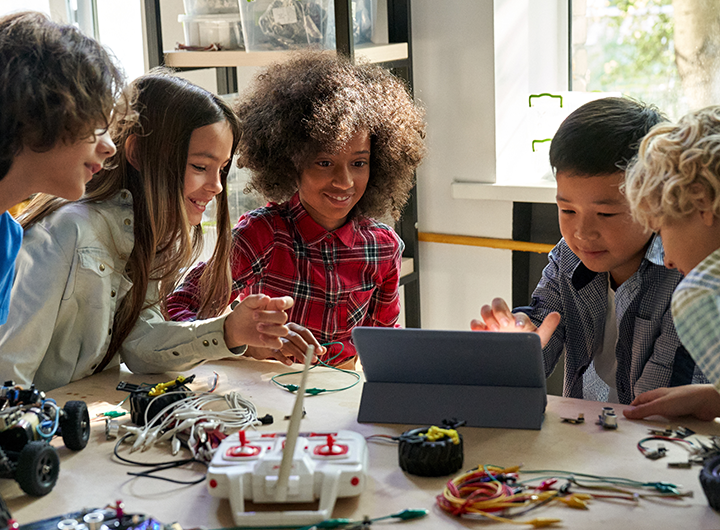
[674,188]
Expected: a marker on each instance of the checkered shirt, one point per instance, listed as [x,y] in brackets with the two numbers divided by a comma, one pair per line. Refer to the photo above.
[649,353]
[339,280]
[696,311]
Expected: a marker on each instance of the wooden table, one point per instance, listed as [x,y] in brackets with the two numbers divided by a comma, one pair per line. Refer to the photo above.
[91,478]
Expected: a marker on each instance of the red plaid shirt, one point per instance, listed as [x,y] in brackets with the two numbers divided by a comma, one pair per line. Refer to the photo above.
[339,280]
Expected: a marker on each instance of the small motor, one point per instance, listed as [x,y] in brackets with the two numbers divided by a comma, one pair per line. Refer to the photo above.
[149,400]
[431,451]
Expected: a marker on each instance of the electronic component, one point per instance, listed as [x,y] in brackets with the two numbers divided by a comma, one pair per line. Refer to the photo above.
[608,418]
[110,517]
[575,421]
[156,397]
[430,451]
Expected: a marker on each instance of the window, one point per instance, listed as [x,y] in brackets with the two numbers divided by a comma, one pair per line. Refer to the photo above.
[665,52]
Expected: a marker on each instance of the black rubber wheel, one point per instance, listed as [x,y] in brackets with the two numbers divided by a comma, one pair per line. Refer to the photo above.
[75,425]
[418,456]
[37,468]
[710,480]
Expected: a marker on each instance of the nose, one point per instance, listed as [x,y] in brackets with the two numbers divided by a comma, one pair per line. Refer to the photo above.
[668,263]
[213,182]
[585,229]
[105,146]
[342,178]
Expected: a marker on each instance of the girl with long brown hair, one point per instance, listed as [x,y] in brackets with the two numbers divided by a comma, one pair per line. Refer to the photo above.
[93,275]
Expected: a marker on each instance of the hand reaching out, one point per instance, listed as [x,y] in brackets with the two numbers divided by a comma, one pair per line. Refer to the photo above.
[700,401]
[293,348]
[258,320]
[498,317]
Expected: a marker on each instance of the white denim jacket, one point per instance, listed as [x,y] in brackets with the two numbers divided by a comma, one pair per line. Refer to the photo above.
[69,282]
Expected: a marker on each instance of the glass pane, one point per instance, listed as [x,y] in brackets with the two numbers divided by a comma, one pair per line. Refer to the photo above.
[665,52]
[120,30]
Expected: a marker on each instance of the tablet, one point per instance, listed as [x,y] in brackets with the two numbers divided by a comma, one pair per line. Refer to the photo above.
[418,376]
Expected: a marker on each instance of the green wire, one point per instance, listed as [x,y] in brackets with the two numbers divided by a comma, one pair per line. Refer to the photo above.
[316,391]
[404,515]
[552,473]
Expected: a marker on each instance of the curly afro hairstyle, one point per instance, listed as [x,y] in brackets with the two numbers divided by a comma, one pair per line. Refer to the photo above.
[316,102]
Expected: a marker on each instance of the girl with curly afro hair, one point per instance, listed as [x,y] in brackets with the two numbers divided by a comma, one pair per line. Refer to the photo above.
[332,146]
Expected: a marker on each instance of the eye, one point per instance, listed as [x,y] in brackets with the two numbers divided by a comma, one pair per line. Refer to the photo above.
[566,211]
[323,163]
[601,214]
[198,168]
[360,163]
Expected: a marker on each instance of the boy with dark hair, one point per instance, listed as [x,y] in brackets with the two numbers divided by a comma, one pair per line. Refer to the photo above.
[674,188]
[606,276]
[57,93]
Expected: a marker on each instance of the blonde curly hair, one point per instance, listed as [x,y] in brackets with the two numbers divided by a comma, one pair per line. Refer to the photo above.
[677,166]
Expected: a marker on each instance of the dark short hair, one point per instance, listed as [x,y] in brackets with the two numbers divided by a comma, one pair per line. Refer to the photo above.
[316,102]
[602,136]
[55,84]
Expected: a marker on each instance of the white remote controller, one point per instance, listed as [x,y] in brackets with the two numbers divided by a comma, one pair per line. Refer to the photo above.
[325,466]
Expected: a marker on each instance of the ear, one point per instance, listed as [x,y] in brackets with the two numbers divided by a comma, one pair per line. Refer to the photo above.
[709,218]
[131,151]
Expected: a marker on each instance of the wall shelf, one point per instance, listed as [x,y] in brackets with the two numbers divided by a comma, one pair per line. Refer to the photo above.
[374,53]
[487,191]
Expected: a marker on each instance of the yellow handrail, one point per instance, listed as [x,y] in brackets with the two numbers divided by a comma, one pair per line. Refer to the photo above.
[487,242]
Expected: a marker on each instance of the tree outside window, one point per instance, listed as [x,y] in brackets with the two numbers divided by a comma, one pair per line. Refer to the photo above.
[665,52]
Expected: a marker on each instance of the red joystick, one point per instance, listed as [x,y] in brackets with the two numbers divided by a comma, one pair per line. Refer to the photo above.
[331,448]
[244,449]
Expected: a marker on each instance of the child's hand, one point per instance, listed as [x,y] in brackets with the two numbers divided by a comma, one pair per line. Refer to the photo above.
[498,317]
[294,345]
[700,401]
[258,321]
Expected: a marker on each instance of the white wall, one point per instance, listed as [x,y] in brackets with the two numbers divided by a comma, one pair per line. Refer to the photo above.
[475,64]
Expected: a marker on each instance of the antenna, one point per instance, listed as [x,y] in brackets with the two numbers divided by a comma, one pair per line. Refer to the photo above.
[293,431]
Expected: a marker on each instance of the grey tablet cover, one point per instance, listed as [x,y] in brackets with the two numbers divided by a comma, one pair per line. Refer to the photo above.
[417,376]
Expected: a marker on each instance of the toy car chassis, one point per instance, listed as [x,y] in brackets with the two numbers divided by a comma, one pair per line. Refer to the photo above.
[28,421]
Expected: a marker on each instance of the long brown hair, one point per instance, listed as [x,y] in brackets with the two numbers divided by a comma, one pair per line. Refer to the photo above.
[165,111]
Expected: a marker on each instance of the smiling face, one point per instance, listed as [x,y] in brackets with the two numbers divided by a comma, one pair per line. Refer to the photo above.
[65,169]
[209,152]
[596,223]
[333,184]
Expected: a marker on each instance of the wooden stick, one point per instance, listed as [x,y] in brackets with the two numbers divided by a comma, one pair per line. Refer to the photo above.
[293,431]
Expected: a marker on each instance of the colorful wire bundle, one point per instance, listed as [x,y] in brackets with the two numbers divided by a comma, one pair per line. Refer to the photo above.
[497,493]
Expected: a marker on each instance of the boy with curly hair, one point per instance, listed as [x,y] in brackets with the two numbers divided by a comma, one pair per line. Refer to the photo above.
[332,146]
[57,92]
[606,276]
[674,188]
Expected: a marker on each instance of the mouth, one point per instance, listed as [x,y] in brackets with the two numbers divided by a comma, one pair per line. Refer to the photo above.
[592,253]
[94,168]
[200,205]
[339,199]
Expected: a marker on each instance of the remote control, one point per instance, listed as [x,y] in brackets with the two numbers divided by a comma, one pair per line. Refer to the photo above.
[324,466]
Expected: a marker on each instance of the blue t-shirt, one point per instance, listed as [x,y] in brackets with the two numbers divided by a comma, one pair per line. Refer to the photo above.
[11,234]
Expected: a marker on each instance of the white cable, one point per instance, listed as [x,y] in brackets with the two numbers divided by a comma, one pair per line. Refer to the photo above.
[193,416]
